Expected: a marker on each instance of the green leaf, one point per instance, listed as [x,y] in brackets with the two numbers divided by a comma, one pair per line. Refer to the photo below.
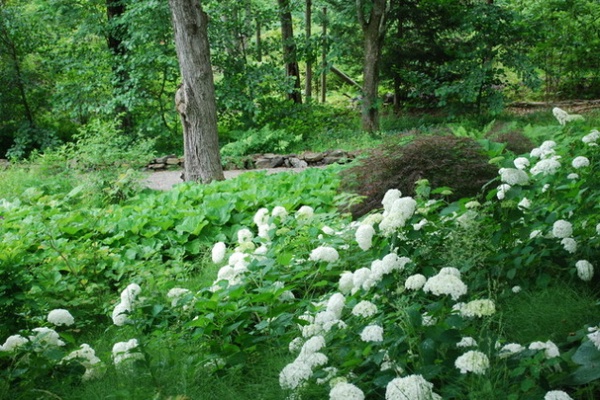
[192,224]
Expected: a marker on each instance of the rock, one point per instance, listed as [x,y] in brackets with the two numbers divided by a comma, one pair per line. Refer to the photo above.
[276,162]
[338,153]
[333,160]
[172,161]
[262,163]
[297,163]
[311,157]
[157,166]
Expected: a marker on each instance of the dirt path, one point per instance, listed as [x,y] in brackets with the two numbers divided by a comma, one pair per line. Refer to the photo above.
[164,180]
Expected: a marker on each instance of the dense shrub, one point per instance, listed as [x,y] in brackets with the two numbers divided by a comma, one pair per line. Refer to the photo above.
[445,161]
[515,141]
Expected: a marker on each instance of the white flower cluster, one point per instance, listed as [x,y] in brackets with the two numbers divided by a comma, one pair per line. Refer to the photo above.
[562,229]
[550,349]
[513,176]
[591,138]
[509,349]
[412,387]
[126,351]
[476,308]
[467,342]
[86,356]
[548,163]
[446,282]
[502,190]
[325,320]
[218,252]
[580,162]
[557,395]
[594,336]
[415,282]
[366,278]
[563,117]
[324,253]
[396,211]
[364,236]
[346,391]
[472,361]
[305,212]
[585,270]
[364,309]
[372,334]
[44,338]
[13,342]
[521,162]
[60,317]
[295,374]
[128,296]
[176,294]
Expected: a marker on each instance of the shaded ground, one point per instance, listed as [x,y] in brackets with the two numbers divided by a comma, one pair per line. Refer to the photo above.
[164,180]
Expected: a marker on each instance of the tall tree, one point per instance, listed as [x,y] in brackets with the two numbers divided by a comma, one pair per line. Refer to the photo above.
[195,99]
[115,37]
[372,19]
[289,50]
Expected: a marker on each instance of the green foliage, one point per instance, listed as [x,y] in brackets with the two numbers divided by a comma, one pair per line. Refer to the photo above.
[265,140]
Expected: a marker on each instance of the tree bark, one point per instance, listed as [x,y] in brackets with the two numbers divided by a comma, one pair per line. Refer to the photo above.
[309,72]
[373,26]
[195,100]
[116,34]
[289,50]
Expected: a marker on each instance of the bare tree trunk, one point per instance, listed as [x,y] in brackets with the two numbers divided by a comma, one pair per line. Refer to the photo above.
[289,49]
[373,26]
[309,72]
[324,59]
[116,34]
[195,99]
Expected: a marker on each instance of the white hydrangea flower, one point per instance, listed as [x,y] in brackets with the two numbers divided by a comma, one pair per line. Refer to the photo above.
[389,198]
[467,341]
[296,345]
[573,176]
[120,314]
[516,289]
[472,204]
[294,375]
[218,252]
[13,342]
[557,395]
[359,278]
[562,229]
[535,233]
[305,212]
[477,308]
[391,262]
[419,225]
[364,236]
[45,337]
[445,284]
[244,235]
[60,317]
[450,271]
[598,229]
[372,333]
[261,217]
[177,294]
[472,361]
[591,138]
[585,270]
[412,387]
[130,293]
[336,304]
[346,391]
[569,244]
[123,351]
[548,166]
[509,349]
[580,162]
[550,349]
[86,356]
[415,282]
[563,117]
[594,336]
[364,309]
[279,212]
[346,283]
[524,204]
[521,162]
[396,215]
[513,176]
[502,190]
[324,253]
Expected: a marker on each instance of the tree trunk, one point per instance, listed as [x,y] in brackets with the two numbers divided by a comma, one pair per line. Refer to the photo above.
[373,26]
[309,72]
[195,99]
[289,50]
[324,59]
[116,33]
